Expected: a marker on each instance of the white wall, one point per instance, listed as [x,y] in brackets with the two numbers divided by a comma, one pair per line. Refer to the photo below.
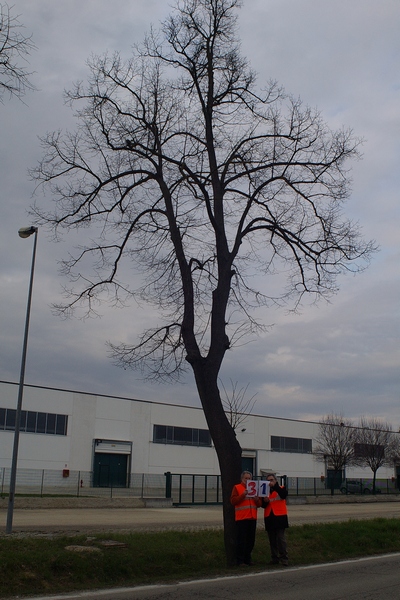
[36,450]
[93,417]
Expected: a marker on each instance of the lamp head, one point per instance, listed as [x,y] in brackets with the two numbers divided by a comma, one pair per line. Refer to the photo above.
[25,232]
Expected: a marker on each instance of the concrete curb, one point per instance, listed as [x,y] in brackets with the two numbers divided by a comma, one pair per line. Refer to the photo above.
[344,499]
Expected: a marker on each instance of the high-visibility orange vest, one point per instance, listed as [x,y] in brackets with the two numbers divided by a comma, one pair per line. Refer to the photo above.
[247,508]
[276,505]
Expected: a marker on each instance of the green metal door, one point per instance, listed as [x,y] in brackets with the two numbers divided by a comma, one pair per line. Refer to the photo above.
[110,470]
[333,480]
[248,464]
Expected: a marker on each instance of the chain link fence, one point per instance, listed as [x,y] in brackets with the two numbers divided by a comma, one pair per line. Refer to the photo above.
[37,482]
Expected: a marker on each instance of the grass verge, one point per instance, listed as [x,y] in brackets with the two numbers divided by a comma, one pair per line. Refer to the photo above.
[34,565]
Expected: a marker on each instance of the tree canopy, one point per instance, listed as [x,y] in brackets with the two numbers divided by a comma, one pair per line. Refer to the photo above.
[335,442]
[201,182]
[376,445]
[15,47]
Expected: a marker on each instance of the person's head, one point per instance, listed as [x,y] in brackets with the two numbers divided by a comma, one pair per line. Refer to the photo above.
[245,477]
[270,477]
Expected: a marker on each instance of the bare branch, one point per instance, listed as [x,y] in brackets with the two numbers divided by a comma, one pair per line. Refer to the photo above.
[236,405]
[14,48]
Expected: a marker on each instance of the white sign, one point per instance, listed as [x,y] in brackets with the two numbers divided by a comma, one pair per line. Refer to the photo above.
[257,488]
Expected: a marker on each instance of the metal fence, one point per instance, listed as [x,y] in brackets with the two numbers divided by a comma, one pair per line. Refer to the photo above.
[194,489]
[36,482]
[315,486]
[182,488]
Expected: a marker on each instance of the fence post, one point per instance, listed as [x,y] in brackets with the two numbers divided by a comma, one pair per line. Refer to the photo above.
[142,492]
[168,484]
[41,485]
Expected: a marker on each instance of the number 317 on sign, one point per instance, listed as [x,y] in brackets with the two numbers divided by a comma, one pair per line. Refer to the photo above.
[257,488]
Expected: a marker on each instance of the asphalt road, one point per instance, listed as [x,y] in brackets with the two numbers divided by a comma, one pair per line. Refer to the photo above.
[153,519]
[373,578]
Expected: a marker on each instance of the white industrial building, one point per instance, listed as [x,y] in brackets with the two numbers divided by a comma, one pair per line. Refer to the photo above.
[113,437]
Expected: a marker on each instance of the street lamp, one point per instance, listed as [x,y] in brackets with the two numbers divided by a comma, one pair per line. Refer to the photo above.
[24,232]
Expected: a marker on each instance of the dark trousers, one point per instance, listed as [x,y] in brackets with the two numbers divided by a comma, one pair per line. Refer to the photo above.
[277,542]
[246,537]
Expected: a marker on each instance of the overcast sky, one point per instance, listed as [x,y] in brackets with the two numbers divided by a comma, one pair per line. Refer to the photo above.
[342,56]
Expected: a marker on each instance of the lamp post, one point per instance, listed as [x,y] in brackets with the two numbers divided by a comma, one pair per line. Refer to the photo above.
[24,232]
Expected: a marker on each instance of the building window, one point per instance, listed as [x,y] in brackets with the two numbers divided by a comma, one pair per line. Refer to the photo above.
[34,422]
[290,444]
[182,436]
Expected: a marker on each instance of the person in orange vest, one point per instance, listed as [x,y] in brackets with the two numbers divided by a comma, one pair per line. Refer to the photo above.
[245,518]
[276,520]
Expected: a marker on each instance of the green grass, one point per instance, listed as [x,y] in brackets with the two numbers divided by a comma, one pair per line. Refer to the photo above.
[35,565]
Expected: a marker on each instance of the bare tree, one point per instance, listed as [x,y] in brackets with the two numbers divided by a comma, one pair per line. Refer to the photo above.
[335,444]
[376,445]
[207,187]
[236,405]
[14,48]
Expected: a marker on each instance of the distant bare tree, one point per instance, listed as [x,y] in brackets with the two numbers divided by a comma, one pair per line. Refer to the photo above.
[237,407]
[14,48]
[377,445]
[335,443]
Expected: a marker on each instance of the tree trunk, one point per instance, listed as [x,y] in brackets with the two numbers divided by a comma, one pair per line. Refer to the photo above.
[374,483]
[227,448]
[333,481]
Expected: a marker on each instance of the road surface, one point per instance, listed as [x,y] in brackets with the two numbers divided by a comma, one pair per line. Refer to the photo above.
[373,578]
[193,517]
